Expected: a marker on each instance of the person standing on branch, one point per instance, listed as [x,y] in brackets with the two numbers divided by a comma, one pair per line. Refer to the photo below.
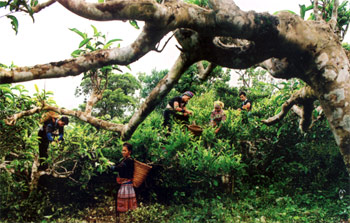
[217,116]
[52,127]
[126,199]
[246,104]
[177,108]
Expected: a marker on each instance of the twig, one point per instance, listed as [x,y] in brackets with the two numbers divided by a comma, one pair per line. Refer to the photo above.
[164,44]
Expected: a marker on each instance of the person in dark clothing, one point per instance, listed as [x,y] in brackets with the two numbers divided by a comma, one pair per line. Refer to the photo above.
[51,128]
[246,104]
[177,109]
[126,199]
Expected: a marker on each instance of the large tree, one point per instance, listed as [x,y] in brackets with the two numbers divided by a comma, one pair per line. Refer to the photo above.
[223,34]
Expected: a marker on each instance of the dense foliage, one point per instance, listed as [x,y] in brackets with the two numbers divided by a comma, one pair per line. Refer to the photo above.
[116,87]
[247,172]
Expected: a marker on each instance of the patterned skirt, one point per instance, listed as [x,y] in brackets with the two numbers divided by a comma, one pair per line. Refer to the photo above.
[126,199]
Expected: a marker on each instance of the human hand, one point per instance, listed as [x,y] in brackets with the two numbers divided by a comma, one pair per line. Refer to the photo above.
[189,112]
[110,163]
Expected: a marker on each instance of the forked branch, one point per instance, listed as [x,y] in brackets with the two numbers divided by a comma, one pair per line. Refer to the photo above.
[204,73]
[304,97]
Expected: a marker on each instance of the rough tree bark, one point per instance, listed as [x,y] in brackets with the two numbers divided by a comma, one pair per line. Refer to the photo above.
[304,97]
[287,46]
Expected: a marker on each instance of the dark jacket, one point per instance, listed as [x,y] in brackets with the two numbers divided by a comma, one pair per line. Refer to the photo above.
[177,99]
[125,168]
[51,129]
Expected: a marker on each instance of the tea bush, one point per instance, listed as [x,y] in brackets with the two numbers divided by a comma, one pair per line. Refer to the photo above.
[248,172]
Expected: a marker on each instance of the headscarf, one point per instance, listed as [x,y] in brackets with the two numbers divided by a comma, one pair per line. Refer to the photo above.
[188,93]
[218,116]
[218,104]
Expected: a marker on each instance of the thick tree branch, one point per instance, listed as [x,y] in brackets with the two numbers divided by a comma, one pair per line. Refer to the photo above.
[89,119]
[300,112]
[283,68]
[236,23]
[297,110]
[41,6]
[95,96]
[144,10]
[278,68]
[96,93]
[306,117]
[226,19]
[158,93]
[145,42]
[236,56]
[12,120]
[223,4]
[204,73]
[303,96]
[165,17]
[78,114]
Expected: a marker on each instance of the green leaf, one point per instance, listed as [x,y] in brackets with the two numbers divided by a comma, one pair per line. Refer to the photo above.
[14,23]
[309,8]
[302,11]
[83,35]
[36,88]
[275,13]
[114,40]
[76,53]
[34,2]
[95,30]
[84,42]
[9,96]
[3,65]
[134,24]
[109,43]
[90,48]
[107,46]
[99,43]
[2,4]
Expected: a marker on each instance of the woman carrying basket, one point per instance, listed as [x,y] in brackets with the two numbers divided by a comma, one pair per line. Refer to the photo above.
[126,199]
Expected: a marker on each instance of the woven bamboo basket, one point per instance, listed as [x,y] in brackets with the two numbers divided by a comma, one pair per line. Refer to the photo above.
[195,129]
[140,172]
